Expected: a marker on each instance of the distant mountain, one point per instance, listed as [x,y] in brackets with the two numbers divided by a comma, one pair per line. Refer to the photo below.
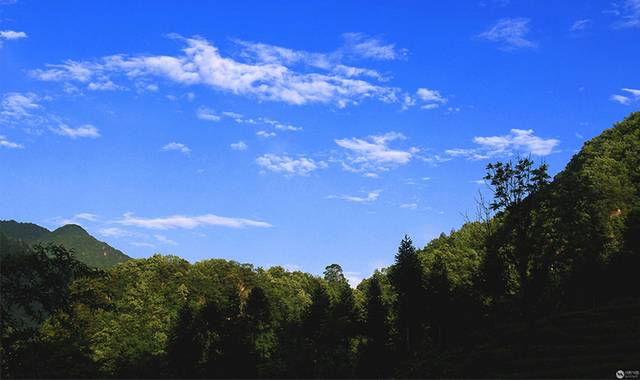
[88,249]
[27,232]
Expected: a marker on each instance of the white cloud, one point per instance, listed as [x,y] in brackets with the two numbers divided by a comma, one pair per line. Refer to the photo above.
[174,146]
[580,25]
[629,13]
[115,232]
[204,113]
[287,165]
[373,154]
[632,91]
[78,219]
[103,86]
[142,244]
[9,144]
[12,35]
[371,197]
[238,117]
[621,99]
[8,35]
[86,216]
[356,45]
[208,114]
[510,33]
[84,131]
[280,126]
[240,146]
[367,47]
[164,240]
[202,63]
[188,222]
[518,140]
[432,98]
[411,206]
[634,95]
[17,105]
[471,154]
[265,134]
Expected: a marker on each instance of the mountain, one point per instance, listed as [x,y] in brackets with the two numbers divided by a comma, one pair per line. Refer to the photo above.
[88,249]
[27,232]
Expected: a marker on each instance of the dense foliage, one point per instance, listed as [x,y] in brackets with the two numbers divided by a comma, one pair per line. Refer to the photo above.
[543,285]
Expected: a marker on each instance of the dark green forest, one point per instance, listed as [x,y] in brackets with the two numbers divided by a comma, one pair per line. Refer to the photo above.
[541,283]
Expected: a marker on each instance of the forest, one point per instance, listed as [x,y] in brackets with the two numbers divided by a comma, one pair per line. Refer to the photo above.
[541,283]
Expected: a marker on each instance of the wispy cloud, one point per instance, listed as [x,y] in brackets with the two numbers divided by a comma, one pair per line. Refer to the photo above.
[431,98]
[201,63]
[105,86]
[164,240]
[364,46]
[510,33]
[142,244]
[579,25]
[239,146]
[373,154]
[289,166]
[208,114]
[12,35]
[628,12]
[518,140]
[280,126]
[265,134]
[79,219]
[5,143]
[175,146]
[115,232]
[17,105]
[9,35]
[87,216]
[372,196]
[204,113]
[188,222]
[633,96]
[84,131]
[411,206]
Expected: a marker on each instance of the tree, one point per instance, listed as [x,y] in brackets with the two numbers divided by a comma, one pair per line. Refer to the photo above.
[35,284]
[406,277]
[515,186]
[184,350]
[438,287]
[512,182]
[374,353]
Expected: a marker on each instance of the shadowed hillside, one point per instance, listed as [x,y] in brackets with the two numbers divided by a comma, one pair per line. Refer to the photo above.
[87,249]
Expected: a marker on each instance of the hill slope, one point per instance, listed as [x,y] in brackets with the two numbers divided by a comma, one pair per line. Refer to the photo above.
[27,232]
[88,249]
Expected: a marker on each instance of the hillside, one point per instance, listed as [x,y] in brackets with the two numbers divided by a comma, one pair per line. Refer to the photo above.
[88,249]
[27,232]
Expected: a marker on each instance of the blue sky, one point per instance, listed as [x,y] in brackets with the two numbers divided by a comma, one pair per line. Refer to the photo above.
[294,133]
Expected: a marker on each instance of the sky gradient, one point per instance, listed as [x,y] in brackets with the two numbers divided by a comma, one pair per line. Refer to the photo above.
[294,133]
